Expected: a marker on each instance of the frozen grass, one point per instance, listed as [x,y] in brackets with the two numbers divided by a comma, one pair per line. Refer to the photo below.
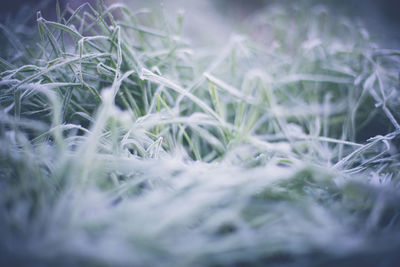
[121,144]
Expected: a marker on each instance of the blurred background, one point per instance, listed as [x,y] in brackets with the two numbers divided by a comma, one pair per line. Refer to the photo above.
[218,18]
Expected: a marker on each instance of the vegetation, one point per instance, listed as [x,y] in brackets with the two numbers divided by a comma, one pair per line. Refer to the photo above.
[123,144]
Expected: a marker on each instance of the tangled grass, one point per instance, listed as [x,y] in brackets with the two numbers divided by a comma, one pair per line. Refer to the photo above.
[124,145]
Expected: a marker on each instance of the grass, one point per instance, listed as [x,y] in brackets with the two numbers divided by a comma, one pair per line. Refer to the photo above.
[124,144]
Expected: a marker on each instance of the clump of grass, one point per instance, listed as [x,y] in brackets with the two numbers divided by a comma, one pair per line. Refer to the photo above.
[122,144]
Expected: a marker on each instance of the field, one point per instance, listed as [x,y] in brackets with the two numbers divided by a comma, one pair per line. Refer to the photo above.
[124,143]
